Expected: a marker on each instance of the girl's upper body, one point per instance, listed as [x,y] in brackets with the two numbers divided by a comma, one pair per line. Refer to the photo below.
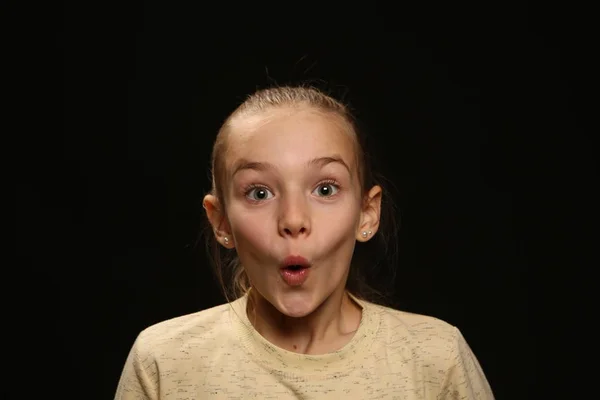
[294,208]
[217,354]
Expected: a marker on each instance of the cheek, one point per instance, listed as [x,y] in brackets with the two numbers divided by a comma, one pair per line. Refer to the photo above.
[334,227]
[251,229]
[341,218]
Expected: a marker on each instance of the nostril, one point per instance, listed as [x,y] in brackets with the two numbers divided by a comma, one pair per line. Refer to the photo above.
[295,232]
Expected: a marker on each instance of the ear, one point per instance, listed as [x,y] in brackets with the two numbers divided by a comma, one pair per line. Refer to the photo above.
[370,214]
[218,221]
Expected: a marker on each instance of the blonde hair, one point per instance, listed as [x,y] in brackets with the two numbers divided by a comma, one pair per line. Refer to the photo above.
[228,270]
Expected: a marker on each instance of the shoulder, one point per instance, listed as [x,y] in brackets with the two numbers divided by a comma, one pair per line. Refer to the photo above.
[178,333]
[170,344]
[418,327]
[436,348]
[421,339]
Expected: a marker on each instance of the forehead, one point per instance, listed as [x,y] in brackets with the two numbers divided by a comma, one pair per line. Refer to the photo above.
[289,136]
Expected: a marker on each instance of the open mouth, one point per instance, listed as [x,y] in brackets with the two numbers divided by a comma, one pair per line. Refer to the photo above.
[295,270]
[295,267]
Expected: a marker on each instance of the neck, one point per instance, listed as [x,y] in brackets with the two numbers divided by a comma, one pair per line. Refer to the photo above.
[326,329]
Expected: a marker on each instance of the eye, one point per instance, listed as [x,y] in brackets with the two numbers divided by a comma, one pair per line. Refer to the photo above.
[326,189]
[259,193]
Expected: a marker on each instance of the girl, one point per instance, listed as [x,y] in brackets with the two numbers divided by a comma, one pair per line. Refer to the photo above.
[293,201]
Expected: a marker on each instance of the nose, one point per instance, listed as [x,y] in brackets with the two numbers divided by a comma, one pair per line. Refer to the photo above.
[294,220]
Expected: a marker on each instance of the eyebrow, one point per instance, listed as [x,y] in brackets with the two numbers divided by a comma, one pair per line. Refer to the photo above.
[320,162]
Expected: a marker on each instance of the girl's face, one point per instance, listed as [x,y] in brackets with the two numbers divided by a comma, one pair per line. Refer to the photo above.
[293,194]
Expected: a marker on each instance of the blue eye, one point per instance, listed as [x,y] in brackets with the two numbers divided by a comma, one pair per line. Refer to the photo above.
[259,194]
[326,189]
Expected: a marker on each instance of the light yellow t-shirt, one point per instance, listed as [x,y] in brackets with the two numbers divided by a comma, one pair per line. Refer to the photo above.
[217,354]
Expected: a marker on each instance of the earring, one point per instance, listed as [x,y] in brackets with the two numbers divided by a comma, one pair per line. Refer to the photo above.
[364,234]
[226,240]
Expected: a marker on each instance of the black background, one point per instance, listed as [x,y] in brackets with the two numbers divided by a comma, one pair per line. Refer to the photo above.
[475,111]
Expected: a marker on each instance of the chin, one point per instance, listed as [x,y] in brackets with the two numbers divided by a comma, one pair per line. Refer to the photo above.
[295,305]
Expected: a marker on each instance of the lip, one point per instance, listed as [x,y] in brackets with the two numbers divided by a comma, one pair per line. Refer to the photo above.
[295,277]
[295,260]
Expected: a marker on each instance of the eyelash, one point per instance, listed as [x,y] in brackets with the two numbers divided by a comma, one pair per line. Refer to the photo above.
[252,186]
